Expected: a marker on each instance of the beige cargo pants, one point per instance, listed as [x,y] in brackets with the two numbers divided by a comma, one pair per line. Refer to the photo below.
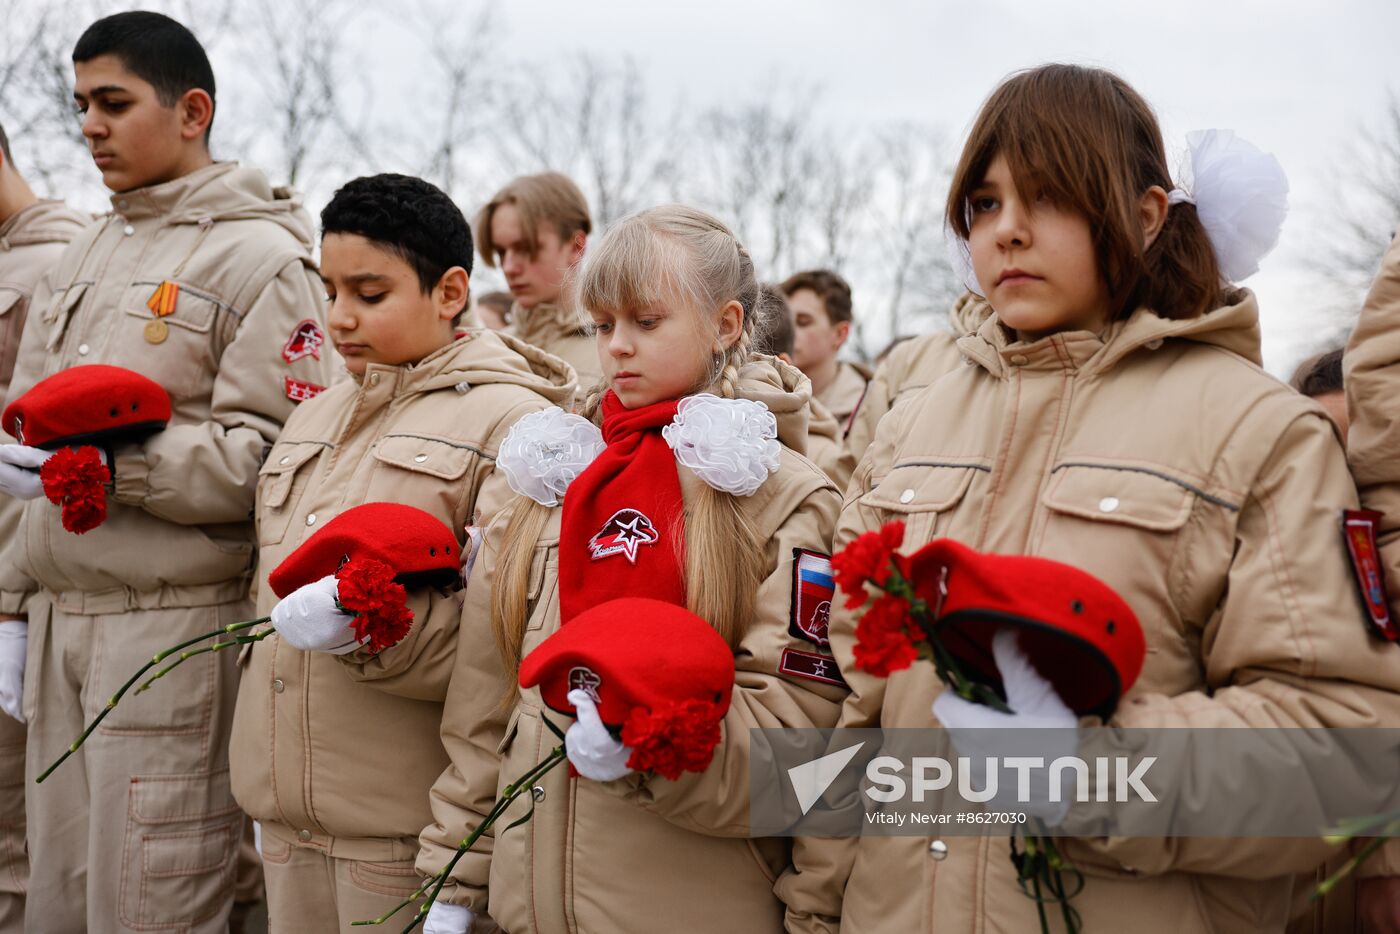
[137,831]
[14,866]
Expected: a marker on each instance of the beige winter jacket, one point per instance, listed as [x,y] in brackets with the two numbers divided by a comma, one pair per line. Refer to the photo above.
[179,529]
[313,733]
[621,856]
[31,241]
[843,395]
[910,367]
[560,331]
[1162,459]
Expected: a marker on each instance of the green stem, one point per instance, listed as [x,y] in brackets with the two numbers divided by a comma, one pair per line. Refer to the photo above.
[121,691]
[187,655]
[508,795]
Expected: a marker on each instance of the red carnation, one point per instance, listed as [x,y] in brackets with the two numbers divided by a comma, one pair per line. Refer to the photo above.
[867,558]
[75,479]
[366,588]
[887,637]
[678,737]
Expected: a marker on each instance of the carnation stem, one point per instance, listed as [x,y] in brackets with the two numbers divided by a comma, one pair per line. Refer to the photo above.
[508,794]
[121,691]
[1391,829]
[191,653]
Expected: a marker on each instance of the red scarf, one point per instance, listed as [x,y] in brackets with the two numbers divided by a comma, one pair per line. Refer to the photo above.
[623,516]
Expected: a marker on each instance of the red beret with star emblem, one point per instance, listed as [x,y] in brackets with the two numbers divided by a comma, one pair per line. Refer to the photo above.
[91,404]
[418,546]
[1076,630]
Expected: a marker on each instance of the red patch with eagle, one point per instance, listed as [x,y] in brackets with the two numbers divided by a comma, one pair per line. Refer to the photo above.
[299,390]
[306,341]
[1360,527]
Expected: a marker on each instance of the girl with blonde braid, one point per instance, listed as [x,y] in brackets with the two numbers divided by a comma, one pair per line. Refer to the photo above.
[695,492]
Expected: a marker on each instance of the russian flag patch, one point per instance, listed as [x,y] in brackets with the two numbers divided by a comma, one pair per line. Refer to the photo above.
[813,588]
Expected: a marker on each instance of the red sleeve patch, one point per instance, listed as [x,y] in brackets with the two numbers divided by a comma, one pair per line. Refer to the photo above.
[306,341]
[299,390]
[1359,527]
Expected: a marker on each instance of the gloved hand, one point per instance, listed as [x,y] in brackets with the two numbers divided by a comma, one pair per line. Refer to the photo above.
[979,732]
[448,919]
[19,470]
[309,619]
[14,636]
[591,748]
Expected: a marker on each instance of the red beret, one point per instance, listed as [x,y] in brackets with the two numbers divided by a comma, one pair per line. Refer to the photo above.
[633,653]
[87,404]
[419,547]
[1080,635]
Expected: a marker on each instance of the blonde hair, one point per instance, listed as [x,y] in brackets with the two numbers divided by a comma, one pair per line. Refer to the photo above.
[683,255]
[547,198]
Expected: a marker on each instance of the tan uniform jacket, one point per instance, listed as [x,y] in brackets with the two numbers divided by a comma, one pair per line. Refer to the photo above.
[179,530]
[1162,459]
[31,241]
[910,367]
[823,446]
[314,734]
[842,397]
[618,856]
[560,331]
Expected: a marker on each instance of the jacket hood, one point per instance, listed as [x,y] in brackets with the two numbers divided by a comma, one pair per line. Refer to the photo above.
[44,221]
[968,313]
[224,191]
[1233,326]
[788,394]
[484,356]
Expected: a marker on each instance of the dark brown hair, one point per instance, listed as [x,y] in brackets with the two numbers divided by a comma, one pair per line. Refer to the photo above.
[834,291]
[1319,374]
[1087,141]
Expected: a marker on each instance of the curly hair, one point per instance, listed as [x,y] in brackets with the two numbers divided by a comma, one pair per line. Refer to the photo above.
[412,218]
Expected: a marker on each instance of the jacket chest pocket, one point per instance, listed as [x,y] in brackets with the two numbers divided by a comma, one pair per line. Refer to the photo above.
[1119,523]
[281,481]
[921,495]
[421,470]
[178,349]
[60,311]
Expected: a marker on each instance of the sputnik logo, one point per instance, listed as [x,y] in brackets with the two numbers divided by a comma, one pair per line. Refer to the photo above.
[623,534]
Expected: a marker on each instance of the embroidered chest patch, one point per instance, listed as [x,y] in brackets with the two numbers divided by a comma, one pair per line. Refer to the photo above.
[623,534]
[813,588]
[586,680]
[1360,526]
[306,341]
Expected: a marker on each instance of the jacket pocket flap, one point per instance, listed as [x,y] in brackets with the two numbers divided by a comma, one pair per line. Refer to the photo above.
[918,487]
[424,455]
[511,727]
[1122,495]
[281,468]
[194,311]
[9,299]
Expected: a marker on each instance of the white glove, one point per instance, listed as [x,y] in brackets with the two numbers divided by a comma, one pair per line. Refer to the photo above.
[975,730]
[19,470]
[309,619]
[14,636]
[448,919]
[591,748]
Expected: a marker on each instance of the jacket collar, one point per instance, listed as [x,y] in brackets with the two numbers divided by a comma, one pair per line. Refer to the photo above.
[545,324]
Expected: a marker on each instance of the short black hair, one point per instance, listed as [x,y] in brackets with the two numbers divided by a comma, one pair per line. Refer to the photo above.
[154,48]
[775,334]
[414,219]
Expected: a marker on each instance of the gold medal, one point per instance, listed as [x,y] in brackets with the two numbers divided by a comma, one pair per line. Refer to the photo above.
[157,331]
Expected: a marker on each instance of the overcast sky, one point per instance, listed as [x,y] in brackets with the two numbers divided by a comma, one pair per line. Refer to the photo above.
[1294,78]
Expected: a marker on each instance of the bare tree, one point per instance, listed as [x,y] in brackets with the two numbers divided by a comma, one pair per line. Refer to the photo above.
[595,124]
[1363,211]
[460,46]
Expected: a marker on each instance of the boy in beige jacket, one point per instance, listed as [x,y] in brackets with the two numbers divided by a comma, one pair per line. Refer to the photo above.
[33,232]
[334,749]
[139,830]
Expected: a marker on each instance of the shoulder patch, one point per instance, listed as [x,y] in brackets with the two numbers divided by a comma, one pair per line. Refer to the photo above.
[306,340]
[299,390]
[813,588]
[811,666]
[1359,527]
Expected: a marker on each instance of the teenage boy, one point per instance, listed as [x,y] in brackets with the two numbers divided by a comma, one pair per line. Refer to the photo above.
[821,314]
[335,750]
[535,229]
[33,232]
[202,279]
